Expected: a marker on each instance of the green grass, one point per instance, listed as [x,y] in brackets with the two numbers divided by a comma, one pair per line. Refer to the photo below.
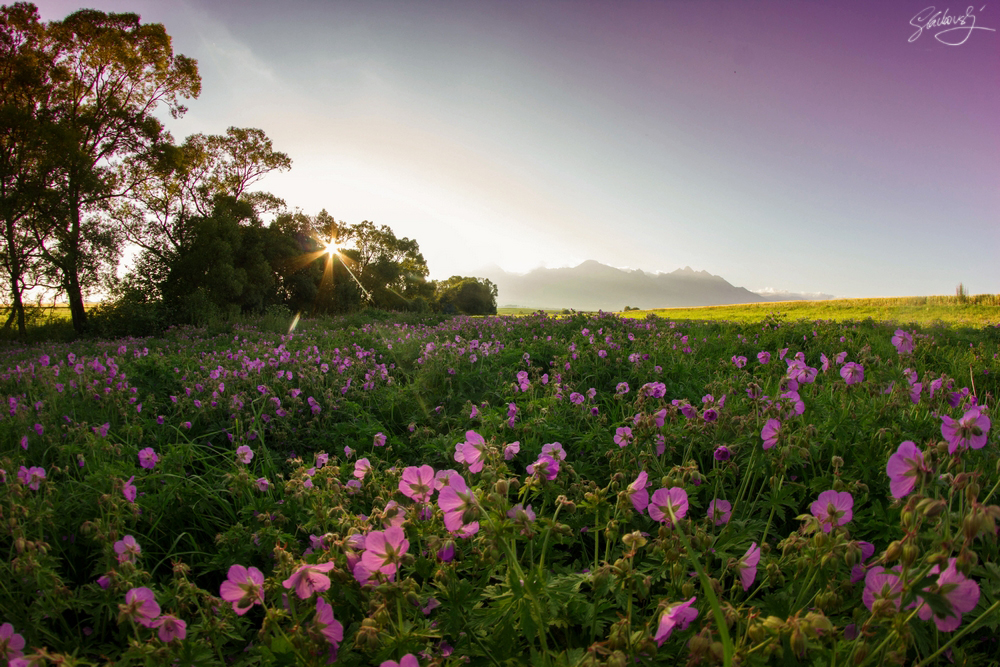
[979,310]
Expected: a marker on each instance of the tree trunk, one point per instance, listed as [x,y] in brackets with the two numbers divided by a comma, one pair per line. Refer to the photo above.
[75,296]
[18,309]
[71,268]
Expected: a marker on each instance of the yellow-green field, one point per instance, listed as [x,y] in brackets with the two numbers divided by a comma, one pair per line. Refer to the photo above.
[976,311]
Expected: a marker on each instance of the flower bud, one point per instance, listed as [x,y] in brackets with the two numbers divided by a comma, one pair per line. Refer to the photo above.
[367,637]
[972,492]
[910,554]
[566,503]
[894,551]
[501,487]
[618,637]
[687,589]
[470,515]
[967,558]
[700,643]
[643,585]
[634,540]
[773,624]
[970,526]
[718,652]
[616,659]
[798,639]
[818,623]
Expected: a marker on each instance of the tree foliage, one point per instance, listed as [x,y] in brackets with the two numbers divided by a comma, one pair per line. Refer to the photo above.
[466,295]
[87,170]
[102,77]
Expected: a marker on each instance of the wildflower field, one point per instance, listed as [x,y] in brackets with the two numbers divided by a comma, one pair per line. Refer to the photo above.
[577,490]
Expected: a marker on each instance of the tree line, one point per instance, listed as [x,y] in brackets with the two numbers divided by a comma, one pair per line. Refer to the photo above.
[87,171]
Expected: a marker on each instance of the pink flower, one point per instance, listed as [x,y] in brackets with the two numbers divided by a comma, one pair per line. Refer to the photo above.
[904,468]
[720,511]
[31,477]
[511,450]
[127,549]
[623,436]
[129,490]
[263,484]
[472,451]
[722,453]
[747,566]
[140,607]
[852,373]
[148,458]
[677,616]
[361,468]
[309,579]
[882,583]
[384,551]
[961,592]
[443,478]
[11,643]
[739,361]
[244,588]
[408,660]
[555,450]
[379,439]
[520,513]
[545,466]
[328,626]
[458,502]
[637,492]
[903,341]
[418,483]
[764,357]
[244,454]
[170,628]
[770,433]
[665,500]
[968,431]
[833,508]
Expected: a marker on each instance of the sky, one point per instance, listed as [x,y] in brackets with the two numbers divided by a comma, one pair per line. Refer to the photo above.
[844,147]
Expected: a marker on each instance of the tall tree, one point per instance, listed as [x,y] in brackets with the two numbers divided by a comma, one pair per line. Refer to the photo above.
[111,73]
[470,296]
[392,270]
[185,183]
[25,170]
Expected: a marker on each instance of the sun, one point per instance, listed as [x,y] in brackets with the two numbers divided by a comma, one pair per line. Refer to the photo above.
[332,248]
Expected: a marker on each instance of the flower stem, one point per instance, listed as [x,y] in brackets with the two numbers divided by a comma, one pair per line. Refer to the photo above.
[958,636]
[706,585]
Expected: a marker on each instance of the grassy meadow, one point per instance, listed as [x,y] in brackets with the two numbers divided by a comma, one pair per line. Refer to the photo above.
[757,486]
[972,311]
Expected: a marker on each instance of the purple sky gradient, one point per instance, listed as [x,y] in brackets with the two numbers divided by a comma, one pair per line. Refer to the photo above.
[797,145]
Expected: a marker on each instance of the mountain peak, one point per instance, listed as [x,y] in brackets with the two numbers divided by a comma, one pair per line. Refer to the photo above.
[592,285]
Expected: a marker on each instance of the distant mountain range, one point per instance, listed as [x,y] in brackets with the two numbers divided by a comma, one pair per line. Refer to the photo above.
[596,286]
